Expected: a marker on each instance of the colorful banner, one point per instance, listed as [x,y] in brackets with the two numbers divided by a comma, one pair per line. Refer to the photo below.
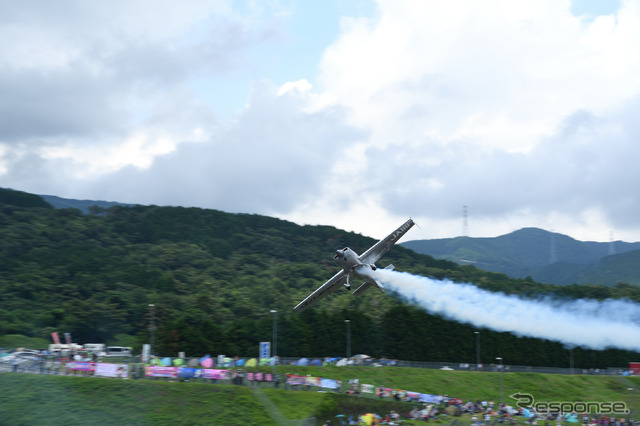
[212,373]
[111,370]
[303,380]
[260,377]
[328,384]
[189,372]
[67,338]
[80,366]
[153,371]
[55,337]
[436,399]
[398,394]
[412,396]
[367,388]
[313,381]
[296,380]
[383,392]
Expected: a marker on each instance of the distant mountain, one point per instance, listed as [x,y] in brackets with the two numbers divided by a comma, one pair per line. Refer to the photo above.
[83,205]
[21,199]
[545,256]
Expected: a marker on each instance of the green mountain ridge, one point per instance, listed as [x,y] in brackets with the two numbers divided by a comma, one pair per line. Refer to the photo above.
[213,278]
[542,255]
[83,205]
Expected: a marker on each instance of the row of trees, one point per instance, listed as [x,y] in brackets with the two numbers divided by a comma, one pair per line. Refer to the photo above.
[213,278]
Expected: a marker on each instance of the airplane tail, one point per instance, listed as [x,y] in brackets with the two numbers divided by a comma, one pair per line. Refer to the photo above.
[371,282]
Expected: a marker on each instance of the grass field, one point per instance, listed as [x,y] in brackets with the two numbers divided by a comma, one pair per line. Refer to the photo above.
[57,400]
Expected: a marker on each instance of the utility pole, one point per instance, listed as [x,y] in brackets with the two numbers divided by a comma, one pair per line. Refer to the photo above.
[477,333]
[152,326]
[348,339]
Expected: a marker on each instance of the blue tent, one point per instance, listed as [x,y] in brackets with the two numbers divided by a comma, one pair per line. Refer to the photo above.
[303,362]
[316,362]
[571,417]
[240,362]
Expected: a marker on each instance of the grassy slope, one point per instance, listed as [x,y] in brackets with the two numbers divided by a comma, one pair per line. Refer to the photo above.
[56,400]
[70,400]
[480,385]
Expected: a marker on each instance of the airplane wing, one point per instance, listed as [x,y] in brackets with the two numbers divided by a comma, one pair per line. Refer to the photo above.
[381,247]
[335,282]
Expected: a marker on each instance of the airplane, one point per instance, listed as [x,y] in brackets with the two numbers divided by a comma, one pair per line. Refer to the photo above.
[360,266]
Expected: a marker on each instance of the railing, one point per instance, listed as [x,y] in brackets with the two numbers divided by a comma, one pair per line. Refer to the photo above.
[610,371]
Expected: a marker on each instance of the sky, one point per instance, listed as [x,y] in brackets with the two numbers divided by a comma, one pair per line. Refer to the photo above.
[351,113]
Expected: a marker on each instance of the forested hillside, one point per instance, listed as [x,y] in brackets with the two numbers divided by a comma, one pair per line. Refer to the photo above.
[545,256]
[214,277]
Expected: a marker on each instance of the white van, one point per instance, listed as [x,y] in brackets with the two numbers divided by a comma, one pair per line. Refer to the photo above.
[94,347]
[117,351]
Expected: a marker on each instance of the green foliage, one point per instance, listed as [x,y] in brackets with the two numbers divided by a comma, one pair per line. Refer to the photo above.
[22,199]
[328,406]
[14,341]
[213,278]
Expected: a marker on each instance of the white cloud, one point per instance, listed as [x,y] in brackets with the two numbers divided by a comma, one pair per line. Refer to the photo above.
[514,109]
[522,111]
[272,157]
[497,73]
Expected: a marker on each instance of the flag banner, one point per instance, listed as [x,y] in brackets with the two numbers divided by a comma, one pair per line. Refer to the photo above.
[412,396]
[111,370]
[385,392]
[436,399]
[189,372]
[153,371]
[398,394]
[80,366]
[67,338]
[55,337]
[212,373]
[312,381]
[296,380]
[303,380]
[328,383]
[259,377]
[367,388]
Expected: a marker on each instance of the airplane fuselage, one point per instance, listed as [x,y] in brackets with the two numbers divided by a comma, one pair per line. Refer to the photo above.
[350,262]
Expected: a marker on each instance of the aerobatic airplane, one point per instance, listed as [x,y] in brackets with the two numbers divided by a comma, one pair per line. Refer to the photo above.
[360,266]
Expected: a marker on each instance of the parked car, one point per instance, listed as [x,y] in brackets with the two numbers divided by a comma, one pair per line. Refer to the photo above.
[117,351]
[20,357]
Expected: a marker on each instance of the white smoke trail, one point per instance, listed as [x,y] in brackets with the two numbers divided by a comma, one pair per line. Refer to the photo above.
[584,322]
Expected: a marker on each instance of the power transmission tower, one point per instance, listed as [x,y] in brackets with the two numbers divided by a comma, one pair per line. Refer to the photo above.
[465,221]
[612,246]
